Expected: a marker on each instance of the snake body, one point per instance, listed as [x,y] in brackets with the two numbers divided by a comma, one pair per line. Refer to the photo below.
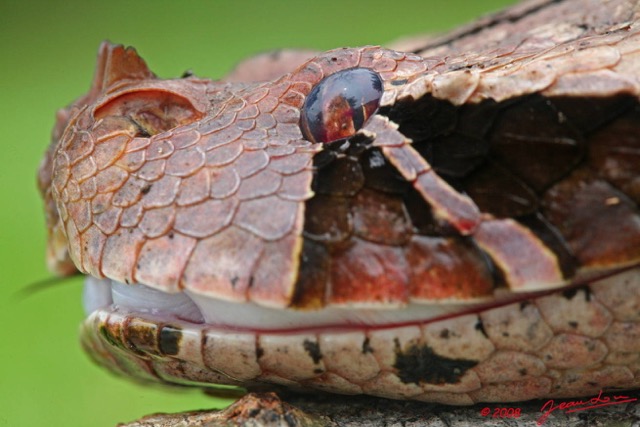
[476,239]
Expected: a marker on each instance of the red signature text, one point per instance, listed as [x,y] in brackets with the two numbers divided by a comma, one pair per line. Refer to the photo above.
[581,405]
[501,412]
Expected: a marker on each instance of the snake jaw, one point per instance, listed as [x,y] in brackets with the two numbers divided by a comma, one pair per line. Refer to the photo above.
[454,358]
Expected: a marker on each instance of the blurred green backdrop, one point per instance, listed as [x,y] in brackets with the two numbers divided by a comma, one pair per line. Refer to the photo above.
[47,58]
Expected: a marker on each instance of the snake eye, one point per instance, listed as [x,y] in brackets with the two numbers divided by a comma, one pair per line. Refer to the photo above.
[340,104]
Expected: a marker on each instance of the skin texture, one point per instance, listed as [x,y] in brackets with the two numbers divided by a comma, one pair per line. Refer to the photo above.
[212,187]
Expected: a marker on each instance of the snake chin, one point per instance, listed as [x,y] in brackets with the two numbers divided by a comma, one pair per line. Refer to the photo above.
[146,302]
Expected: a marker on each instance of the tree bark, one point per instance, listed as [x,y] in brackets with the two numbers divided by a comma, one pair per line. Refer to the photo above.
[270,410]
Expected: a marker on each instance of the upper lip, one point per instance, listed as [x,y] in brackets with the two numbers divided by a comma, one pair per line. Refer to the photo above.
[188,306]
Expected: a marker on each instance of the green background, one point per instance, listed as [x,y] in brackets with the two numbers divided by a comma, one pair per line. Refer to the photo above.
[47,58]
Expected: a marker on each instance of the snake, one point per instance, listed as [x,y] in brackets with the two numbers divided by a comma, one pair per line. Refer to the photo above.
[455,221]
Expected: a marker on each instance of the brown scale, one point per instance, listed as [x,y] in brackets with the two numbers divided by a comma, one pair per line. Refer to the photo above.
[370,237]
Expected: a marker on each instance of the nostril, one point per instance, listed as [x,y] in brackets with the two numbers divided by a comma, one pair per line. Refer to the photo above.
[151,111]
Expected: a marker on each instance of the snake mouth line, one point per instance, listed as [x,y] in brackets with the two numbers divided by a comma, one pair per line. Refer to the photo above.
[144,301]
[187,306]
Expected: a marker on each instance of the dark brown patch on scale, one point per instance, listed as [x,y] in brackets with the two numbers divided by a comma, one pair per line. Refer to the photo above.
[366,346]
[170,337]
[572,292]
[142,337]
[312,276]
[524,304]
[313,349]
[420,364]
[480,327]
[551,237]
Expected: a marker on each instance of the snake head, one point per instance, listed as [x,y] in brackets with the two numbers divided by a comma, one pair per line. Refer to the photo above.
[259,192]
[194,184]
[476,239]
